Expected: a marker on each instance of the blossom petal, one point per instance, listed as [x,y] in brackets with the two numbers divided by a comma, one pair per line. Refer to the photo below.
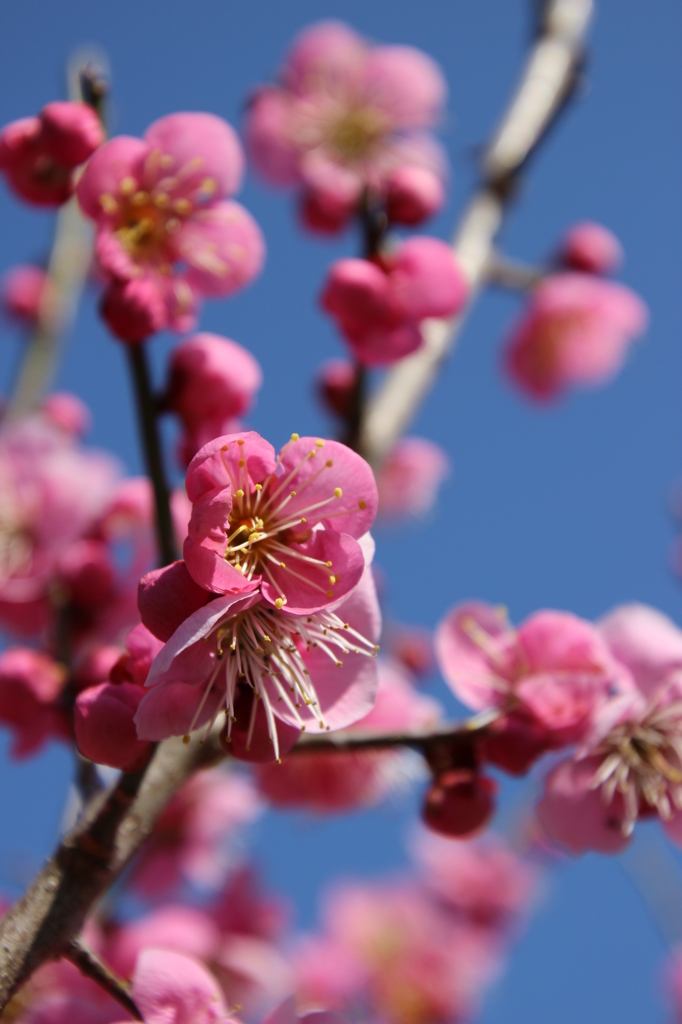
[312,592]
[122,157]
[473,645]
[217,464]
[170,988]
[223,247]
[204,148]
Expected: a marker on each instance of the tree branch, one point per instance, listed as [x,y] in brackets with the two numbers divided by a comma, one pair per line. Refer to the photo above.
[67,269]
[89,964]
[149,434]
[43,923]
[546,83]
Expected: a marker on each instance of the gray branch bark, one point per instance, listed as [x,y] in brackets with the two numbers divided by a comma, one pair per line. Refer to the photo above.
[547,81]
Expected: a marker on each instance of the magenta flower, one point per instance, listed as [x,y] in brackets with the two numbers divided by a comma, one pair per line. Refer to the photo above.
[335,782]
[163,219]
[52,494]
[301,669]
[212,381]
[630,764]
[196,835]
[379,304]
[31,685]
[22,292]
[169,988]
[548,678]
[410,477]
[591,249]
[286,525]
[576,330]
[346,117]
[38,155]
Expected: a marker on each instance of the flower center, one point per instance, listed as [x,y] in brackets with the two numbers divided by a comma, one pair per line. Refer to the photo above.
[355,133]
[643,762]
[266,651]
[265,529]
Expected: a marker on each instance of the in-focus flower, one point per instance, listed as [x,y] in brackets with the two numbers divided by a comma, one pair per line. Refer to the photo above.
[212,381]
[548,678]
[576,330]
[287,525]
[22,292]
[347,117]
[335,782]
[379,304]
[38,155]
[630,764]
[163,219]
[409,478]
[591,249]
[305,669]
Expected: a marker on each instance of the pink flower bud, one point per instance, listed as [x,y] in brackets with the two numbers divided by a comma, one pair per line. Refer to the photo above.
[591,248]
[335,385]
[71,132]
[413,195]
[95,667]
[105,731]
[327,210]
[87,570]
[211,378]
[133,666]
[30,687]
[67,412]
[410,478]
[459,803]
[515,743]
[358,294]
[23,289]
[133,310]
[426,279]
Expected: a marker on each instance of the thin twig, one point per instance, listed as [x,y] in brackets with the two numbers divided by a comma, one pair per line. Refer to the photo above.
[547,82]
[512,275]
[149,434]
[89,964]
[67,270]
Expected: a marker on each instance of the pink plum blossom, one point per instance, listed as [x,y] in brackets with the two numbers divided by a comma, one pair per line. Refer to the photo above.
[300,669]
[347,117]
[336,782]
[212,381]
[166,233]
[31,685]
[22,291]
[484,881]
[548,678]
[196,835]
[409,478]
[38,155]
[591,249]
[104,726]
[576,330]
[52,493]
[379,304]
[630,763]
[401,957]
[288,526]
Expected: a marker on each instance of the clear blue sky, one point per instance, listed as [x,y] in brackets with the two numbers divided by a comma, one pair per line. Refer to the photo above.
[567,508]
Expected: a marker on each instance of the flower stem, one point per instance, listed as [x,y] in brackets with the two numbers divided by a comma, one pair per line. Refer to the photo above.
[139,368]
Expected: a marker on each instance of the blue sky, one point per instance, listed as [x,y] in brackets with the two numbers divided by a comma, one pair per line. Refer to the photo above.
[565,508]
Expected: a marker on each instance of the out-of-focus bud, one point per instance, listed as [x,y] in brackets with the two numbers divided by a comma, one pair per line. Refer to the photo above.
[133,310]
[335,384]
[39,154]
[327,210]
[459,803]
[591,248]
[413,195]
[410,477]
[68,412]
[105,731]
[95,666]
[211,378]
[87,570]
[21,293]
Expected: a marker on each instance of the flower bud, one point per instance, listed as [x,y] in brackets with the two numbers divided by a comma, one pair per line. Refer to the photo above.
[23,289]
[335,384]
[459,803]
[105,731]
[133,310]
[591,248]
[414,194]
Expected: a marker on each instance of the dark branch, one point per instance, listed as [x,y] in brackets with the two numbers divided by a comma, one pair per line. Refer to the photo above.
[89,964]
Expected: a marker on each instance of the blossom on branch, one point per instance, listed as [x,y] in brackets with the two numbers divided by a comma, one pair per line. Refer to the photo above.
[164,223]
[380,303]
[347,117]
[38,155]
[576,330]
